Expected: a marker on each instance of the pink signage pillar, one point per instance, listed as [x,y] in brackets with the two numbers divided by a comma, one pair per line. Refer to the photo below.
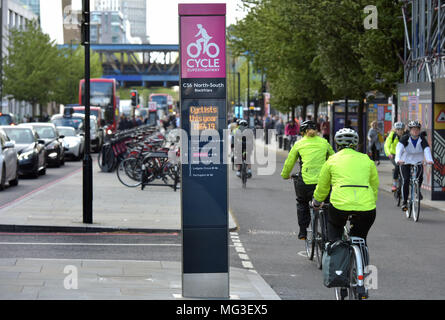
[204,192]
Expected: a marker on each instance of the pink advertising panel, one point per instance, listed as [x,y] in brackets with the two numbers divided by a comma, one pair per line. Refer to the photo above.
[203,47]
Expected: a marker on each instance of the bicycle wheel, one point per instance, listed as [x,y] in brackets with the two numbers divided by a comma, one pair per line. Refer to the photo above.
[397,197]
[106,159]
[244,174]
[355,292]
[318,240]
[310,239]
[129,172]
[150,170]
[341,293]
[416,202]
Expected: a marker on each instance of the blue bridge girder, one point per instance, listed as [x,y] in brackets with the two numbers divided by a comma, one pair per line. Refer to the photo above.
[139,65]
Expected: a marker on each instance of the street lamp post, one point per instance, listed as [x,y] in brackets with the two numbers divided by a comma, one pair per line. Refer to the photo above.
[87,162]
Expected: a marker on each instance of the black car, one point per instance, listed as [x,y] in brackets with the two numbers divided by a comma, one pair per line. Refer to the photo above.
[30,150]
[55,151]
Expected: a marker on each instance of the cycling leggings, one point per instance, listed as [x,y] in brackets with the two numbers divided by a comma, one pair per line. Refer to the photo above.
[395,173]
[361,222]
[405,171]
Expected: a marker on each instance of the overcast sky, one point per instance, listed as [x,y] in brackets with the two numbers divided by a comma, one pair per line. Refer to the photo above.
[162,16]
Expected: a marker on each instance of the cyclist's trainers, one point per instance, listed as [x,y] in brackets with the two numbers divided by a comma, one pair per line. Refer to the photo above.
[404,206]
[238,174]
[302,234]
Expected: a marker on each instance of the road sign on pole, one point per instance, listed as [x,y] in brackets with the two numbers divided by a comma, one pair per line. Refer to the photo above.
[204,200]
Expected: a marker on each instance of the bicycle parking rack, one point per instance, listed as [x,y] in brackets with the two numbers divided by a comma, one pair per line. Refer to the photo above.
[174,185]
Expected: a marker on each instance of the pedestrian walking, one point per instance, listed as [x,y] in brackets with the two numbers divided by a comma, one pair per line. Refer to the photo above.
[374,144]
[325,128]
[279,129]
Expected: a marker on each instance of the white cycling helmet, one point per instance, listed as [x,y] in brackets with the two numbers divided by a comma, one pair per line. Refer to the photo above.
[414,124]
[346,138]
[399,125]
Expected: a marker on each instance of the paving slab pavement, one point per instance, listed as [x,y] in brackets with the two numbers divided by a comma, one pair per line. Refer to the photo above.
[58,207]
[65,279]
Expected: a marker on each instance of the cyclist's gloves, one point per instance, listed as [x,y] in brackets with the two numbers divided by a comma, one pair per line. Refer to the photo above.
[315,203]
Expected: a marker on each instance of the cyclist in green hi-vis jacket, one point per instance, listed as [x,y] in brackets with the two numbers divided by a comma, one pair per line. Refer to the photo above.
[354,181]
[390,150]
[312,152]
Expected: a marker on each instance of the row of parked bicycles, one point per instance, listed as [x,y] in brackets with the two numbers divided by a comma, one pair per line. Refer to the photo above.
[141,157]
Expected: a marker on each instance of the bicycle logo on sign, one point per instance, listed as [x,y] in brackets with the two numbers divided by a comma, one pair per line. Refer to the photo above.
[203,45]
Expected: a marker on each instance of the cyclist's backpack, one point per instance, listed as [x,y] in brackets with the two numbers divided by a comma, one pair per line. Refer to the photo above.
[336,260]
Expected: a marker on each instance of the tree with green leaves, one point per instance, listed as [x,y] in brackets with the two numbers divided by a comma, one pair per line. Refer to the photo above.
[352,59]
[36,71]
[319,50]
[31,67]
[66,88]
[273,36]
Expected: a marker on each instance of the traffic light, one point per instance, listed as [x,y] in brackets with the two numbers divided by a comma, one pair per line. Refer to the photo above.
[134,97]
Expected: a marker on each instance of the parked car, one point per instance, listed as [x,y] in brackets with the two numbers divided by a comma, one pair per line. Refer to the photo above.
[94,111]
[96,134]
[77,121]
[9,166]
[7,119]
[55,152]
[72,120]
[30,150]
[74,143]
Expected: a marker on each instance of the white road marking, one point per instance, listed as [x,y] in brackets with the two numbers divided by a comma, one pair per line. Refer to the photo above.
[302,253]
[244,256]
[240,250]
[245,260]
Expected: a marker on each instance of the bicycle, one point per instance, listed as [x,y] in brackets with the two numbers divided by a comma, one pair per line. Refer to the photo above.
[199,48]
[317,233]
[244,174]
[414,194]
[292,140]
[320,232]
[156,165]
[359,260]
[398,192]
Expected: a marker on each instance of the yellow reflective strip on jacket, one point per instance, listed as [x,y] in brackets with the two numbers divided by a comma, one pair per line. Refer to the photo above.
[313,152]
[354,180]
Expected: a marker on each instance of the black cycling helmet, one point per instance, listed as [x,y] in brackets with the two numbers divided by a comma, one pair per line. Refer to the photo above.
[414,124]
[306,125]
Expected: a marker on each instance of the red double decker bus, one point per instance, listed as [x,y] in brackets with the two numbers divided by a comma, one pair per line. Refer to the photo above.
[103,94]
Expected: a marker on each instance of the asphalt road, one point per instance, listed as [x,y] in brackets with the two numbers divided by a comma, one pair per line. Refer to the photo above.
[408,256]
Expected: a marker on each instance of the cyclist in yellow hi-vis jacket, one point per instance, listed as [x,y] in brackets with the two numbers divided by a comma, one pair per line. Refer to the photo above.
[390,149]
[312,151]
[354,181]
